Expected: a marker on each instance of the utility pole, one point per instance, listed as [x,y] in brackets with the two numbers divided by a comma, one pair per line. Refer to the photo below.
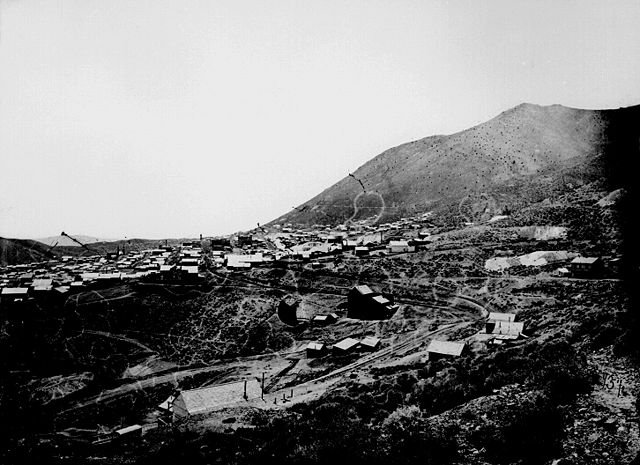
[262,393]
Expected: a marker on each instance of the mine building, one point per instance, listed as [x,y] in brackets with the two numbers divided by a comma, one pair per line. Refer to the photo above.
[586,267]
[445,349]
[287,310]
[345,346]
[315,349]
[365,304]
[505,330]
[496,318]
[205,400]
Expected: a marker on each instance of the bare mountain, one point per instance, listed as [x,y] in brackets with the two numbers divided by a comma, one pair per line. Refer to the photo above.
[522,156]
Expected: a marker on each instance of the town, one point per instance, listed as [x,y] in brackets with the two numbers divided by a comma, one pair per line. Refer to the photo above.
[342,295]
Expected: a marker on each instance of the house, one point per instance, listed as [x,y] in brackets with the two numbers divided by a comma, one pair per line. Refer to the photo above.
[220,242]
[365,304]
[190,273]
[349,244]
[400,247]
[370,343]
[205,400]
[11,294]
[237,261]
[445,349]
[244,239]
[42,285]
[345,346]
[361,251]
[586,267]
[315,349]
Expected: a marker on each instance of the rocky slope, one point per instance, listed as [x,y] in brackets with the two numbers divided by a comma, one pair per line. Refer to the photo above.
[520,157]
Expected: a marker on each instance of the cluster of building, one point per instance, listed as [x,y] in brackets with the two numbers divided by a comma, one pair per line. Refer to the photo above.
[319,243]
[60,277]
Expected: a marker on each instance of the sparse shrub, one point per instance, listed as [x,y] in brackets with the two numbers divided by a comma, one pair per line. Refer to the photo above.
[526,430]
[408,437]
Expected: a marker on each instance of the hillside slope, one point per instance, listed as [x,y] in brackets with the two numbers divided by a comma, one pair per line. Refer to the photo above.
[17,251]
[522,156]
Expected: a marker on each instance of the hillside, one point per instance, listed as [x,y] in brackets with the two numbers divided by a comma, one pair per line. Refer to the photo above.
[16,251]
[522,156]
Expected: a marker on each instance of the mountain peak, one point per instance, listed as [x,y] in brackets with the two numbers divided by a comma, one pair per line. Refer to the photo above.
[509,160]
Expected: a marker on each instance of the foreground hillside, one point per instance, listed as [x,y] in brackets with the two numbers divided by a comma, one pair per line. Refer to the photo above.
[521,156]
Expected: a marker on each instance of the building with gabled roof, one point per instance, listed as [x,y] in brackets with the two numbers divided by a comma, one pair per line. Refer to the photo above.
[365,304]
[347,345]
[209,399]
[370,343]
[586,267]
[315,349]
[442,349]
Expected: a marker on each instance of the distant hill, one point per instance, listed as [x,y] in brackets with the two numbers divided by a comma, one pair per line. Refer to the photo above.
[17,251]
[64,241]
[522,156]
[21,251]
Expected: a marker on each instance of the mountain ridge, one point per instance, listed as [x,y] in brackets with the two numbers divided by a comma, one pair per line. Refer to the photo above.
[503,158]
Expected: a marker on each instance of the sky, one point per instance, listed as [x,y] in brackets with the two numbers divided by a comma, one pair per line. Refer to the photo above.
[174,118]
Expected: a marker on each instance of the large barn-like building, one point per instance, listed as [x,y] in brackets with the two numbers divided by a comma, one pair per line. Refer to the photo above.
[365,304]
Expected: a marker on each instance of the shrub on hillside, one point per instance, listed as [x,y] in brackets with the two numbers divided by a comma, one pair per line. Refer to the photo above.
[526,431]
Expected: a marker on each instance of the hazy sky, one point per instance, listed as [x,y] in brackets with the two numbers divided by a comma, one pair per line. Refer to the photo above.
[174,118]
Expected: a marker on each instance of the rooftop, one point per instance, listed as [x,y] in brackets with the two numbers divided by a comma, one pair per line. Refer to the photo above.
[446,347]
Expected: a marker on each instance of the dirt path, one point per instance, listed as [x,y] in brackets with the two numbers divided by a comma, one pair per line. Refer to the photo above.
[118,337]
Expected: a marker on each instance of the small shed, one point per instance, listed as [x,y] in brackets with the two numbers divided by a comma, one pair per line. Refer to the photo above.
[361,251]
[445,349]
[129,433]
[370,343]
[315,349]
[325,319]
[345,346]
